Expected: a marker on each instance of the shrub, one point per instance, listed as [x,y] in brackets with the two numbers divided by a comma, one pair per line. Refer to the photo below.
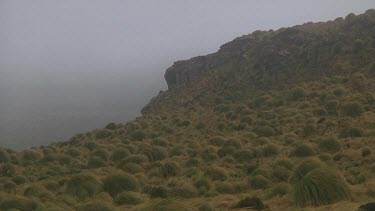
[9,187]
[159,142]
[155,153]
[101,153]
[351,109]
[216,173]
[19,179]
[351,132]
[192,162]
[233,143]
[102,134]
[91,145]
[96,162]
[303,150]
[18,203]
[169,169]
[95,206]
[319,186]
[251,202]
[365,151]
[265,131]
[279,190]
[243,155]
[38,192]
[138,159]
[83,186]
[31,155]
[298,93]
[131,168]
[119,154]
[247,119]
[209,154]
[339,92]
[202,184]
[285,163]
[177,151]
[259,182]
[111,126]
[325,157]
[217,141]
[117,183]
[73,152]
[138,135]
[330,144]
[270,150]
[280,174]
[7,170]
[157,191]
[224,187]
[128,198]
[226,150]
[4,156]
[184,191]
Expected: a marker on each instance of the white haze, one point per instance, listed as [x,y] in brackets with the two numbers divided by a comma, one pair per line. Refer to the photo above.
[74,65]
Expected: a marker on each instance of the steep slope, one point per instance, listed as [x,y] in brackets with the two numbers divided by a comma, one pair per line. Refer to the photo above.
[277,120]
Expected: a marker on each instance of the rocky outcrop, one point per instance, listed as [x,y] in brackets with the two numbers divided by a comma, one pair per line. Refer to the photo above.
[184,72]
[272,59]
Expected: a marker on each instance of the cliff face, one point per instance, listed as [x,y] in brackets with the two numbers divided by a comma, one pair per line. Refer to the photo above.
[184,72]
[272,59]
[308,50]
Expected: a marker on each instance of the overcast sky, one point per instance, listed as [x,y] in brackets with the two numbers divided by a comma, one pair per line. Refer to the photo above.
[68,66]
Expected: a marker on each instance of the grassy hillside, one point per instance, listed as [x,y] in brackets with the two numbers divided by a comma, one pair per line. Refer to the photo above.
[275,120]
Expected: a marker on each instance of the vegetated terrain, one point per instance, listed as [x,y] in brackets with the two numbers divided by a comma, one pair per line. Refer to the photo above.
[275,120]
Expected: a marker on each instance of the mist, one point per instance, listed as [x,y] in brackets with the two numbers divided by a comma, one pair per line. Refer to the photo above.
[71,66]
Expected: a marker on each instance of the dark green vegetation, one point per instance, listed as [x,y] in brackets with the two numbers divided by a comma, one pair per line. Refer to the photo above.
[274,120]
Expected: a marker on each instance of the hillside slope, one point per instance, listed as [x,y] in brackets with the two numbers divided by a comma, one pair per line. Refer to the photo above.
[275,120]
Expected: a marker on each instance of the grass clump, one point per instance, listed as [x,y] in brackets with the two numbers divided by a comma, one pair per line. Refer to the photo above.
[259,182]
[244,155]
[119,154]
[19,179]
[303,150]
[304,168]
[216,173]
[279,190]
[18,203]
[83,186]
[252,203]
[4,156]
[95,206]
[351,109]
[157,191]
[169,169]
[320,186]
[131,168]
[170,205]
[184,191]
[117,183]
[155,153]
[96,162]
[330,145]
[128,198]
[103,134]
[351,132]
